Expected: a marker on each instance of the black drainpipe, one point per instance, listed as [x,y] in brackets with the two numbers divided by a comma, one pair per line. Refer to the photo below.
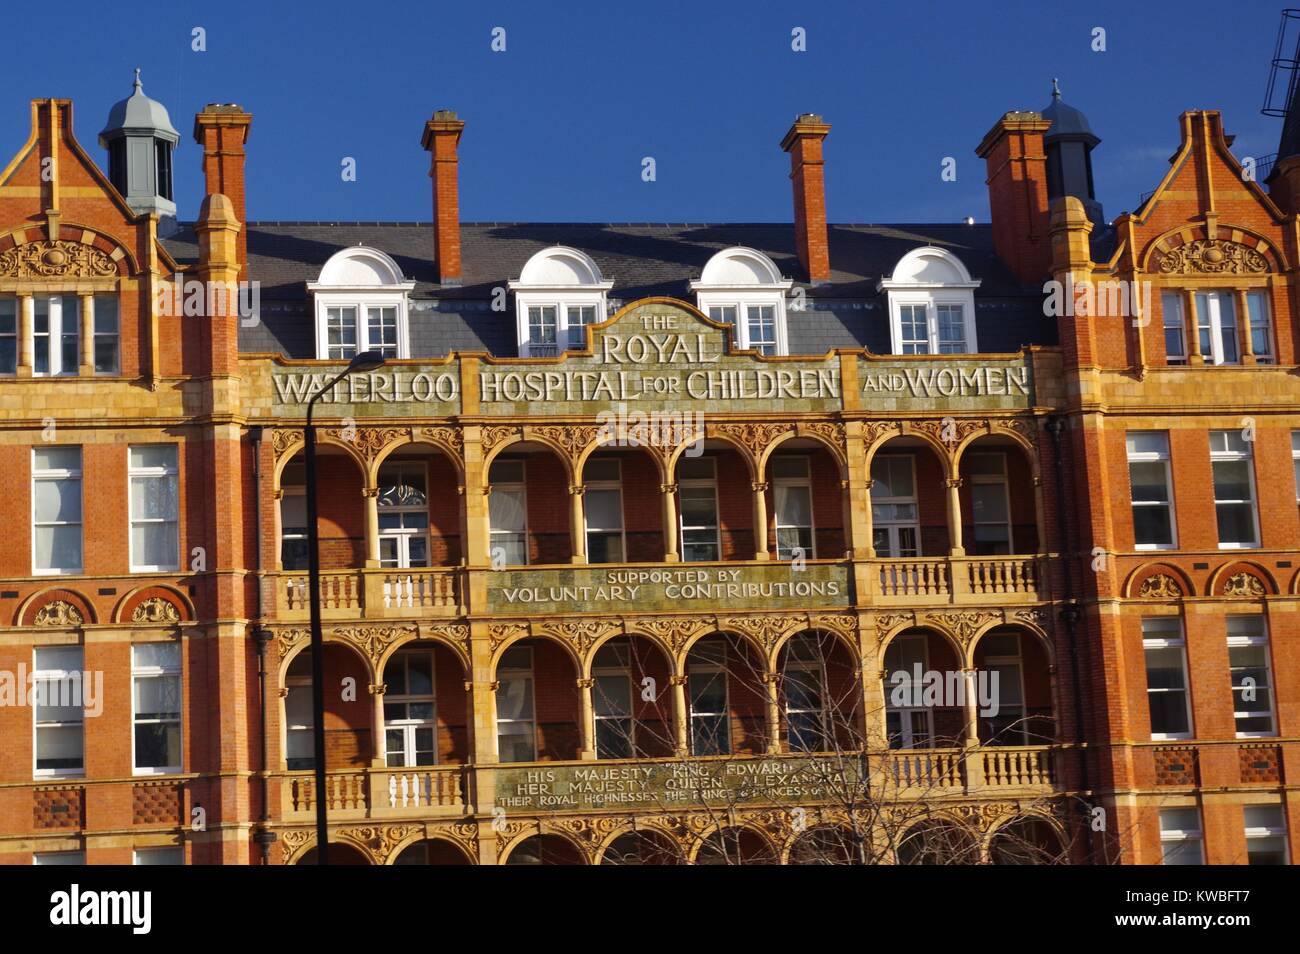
[1070,615]
[264,836]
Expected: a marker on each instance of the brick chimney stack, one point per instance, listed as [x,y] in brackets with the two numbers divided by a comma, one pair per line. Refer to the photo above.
[807,171]
[441,138]
[1017,180]
[222,129]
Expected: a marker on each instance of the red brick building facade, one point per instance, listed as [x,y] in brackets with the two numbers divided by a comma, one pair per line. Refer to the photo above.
[548,642]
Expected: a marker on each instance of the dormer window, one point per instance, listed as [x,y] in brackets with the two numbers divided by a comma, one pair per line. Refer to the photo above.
[931,304]
[361,305]
[559,292]
[742,288]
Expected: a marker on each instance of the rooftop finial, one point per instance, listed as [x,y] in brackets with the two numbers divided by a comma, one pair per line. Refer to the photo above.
[1056,89]
[139,87]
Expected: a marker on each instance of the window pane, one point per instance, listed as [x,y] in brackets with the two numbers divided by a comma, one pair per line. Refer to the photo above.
[604,509]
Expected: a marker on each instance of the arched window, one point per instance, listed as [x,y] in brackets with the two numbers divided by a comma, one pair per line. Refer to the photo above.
[360,305]
[931,304]
[743,288]
[559,292]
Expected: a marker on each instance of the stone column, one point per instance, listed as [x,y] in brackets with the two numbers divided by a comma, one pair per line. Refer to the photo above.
[971,736]
[681,715]
[26,341]
[371,495]
[587,725]
[377,759]
[87,331]
[1243,326]
[1192,326]
[577,525]
[773,682]
[954,516]
[669,492]
[761,551]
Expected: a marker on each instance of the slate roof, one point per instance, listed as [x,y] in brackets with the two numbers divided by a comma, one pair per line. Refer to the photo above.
[640,259]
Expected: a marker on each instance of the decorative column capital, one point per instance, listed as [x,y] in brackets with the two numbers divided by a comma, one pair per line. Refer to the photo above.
[953,483]
[759,486]
[372,492]
[586,683]
[578,489]
[676,680]
[668,488]
[378,689]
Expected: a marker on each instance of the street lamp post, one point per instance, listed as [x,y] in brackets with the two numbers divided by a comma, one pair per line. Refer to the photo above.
[366,361]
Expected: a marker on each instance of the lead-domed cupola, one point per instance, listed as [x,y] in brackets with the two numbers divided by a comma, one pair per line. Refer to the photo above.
[1069,144]
[140,138]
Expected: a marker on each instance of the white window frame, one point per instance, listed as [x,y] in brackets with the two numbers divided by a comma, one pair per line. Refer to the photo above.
[712,669]
[561,300]
[616,486]
[907,736]
[1295,462]
[1172,318]
[562,278]
[54,475]
[114,336]
[804,482]
[409,727]
[521,486]
[622,671]
[1261,639]
[1141,457]
[1272,831]
[55,334]
[905,288]
[297,491]
[388,289]
[1248,455]
[171,850]
[1018,660]
[159,672]
[1178,642]
[171,471]
[893,526]
[404,536]
[1001,479]
[741,301]
[1183,835]
[361,304]
[40,675]
[1260,295]
[12,305]
[818,668]
[58,857]
[1212,322]
[301,683]
[742,278]
[697,483]
[517,673]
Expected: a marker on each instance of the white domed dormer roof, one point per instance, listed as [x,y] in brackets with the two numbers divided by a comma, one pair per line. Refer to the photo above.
[739,267]
[360,299]
[561,267]
[929,267]
[743,288]
[360,267]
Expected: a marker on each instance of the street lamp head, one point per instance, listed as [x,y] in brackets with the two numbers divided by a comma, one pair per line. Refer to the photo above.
[366,361]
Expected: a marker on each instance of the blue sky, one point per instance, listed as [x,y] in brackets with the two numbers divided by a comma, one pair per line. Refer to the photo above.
[557,125]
